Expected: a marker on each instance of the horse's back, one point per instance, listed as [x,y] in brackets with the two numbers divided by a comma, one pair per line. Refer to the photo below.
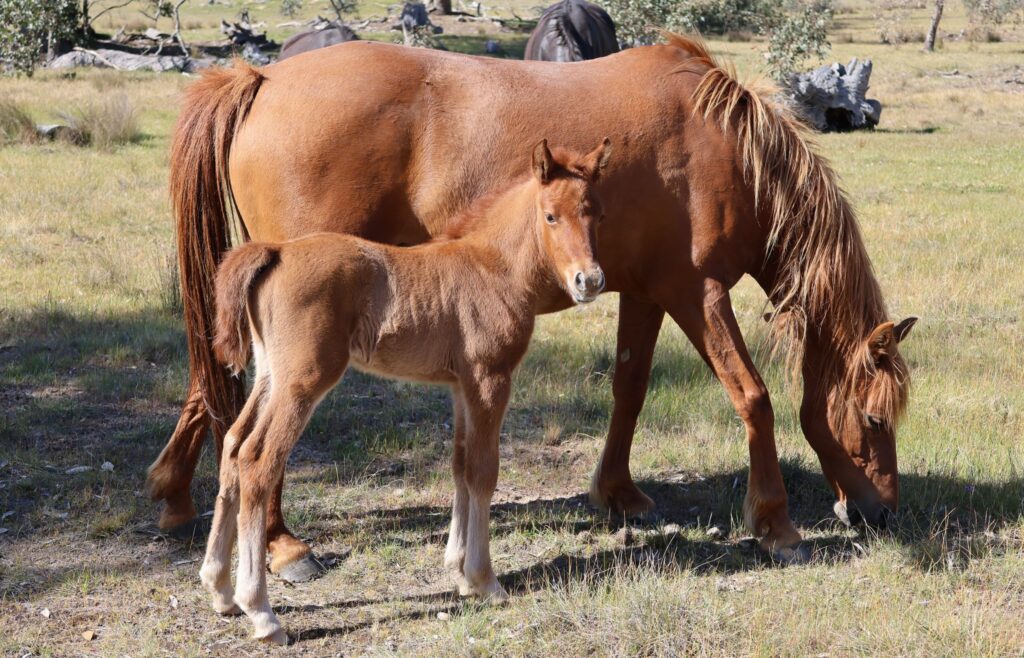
[389,143]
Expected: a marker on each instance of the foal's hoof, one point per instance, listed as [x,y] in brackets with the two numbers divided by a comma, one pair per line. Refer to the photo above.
[799,554]
[226,608]
[191,530]
[491,593]
[303,570]
[278,638]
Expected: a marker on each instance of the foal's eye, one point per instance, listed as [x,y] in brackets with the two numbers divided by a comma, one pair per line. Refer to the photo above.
[874,422]
[549,218]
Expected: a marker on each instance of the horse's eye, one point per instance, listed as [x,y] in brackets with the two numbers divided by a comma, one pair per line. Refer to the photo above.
[874,422]
[549,218]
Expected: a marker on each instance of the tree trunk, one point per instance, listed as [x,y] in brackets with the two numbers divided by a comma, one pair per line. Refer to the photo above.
[929,42]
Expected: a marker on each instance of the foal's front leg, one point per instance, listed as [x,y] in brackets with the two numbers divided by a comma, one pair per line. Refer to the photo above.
[485,400]
[455,552]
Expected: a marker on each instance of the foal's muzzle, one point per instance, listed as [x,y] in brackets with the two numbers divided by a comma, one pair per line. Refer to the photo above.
[587,284]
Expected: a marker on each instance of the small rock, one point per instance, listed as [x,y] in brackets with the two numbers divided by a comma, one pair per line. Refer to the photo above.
[174,602]
[715,532]
[107,466]
[443,616]
[4,531]
[624,536]
[399,492]
[89,636]
[74,470]
[672,529]
[45,612]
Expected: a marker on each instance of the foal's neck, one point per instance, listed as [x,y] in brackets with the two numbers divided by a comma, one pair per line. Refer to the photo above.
[504,239]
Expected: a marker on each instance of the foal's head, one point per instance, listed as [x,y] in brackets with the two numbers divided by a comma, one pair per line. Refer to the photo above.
[568,213]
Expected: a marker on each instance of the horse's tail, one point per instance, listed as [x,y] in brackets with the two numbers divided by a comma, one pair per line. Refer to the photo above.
[214,108]
[235,278]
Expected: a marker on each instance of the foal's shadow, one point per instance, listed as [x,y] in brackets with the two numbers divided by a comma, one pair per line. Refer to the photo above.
[938,512]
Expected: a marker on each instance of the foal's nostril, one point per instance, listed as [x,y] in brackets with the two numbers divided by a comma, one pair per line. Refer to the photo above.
[599,280]
[581,281]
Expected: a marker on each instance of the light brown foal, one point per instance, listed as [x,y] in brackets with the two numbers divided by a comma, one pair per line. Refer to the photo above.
[458,311]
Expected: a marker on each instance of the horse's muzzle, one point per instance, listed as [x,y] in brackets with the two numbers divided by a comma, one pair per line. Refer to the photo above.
[587,285]
[876,516]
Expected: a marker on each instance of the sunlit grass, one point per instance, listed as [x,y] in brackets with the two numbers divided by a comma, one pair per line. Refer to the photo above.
[92,369]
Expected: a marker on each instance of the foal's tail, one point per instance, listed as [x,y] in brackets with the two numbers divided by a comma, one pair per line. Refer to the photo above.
[235,277]
[213,109]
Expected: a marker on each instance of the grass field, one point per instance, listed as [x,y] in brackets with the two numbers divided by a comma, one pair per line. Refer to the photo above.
[92,369]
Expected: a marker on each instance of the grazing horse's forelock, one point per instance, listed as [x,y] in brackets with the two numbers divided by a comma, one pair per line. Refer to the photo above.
[824,280]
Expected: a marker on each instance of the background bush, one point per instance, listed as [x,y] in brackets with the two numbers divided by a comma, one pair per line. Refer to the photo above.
[29,28]
[796,29]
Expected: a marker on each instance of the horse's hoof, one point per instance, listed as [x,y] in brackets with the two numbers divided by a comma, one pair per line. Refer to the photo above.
[190,531]
[278,638]
[799,554]
[303,570]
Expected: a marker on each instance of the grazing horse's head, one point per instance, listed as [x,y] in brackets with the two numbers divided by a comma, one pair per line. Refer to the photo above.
[865,479]
[568,213]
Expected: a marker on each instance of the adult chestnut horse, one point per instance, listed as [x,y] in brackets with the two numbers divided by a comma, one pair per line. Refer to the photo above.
[710,181]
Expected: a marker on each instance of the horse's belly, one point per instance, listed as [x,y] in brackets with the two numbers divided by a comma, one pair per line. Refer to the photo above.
[419,361]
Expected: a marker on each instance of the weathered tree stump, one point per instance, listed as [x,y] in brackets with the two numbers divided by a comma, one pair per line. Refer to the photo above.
[834,98]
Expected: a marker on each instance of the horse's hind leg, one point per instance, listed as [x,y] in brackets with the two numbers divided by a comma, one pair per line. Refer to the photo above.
[215,572]
[455,552]
[707,318]
[612,486]
[171,474]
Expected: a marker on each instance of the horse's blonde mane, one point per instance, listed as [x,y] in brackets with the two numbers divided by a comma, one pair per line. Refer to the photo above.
[824,280]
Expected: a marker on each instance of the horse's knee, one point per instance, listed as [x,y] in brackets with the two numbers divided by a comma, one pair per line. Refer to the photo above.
[756,408]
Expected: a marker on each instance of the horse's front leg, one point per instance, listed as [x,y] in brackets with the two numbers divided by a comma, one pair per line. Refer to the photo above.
[707,318]
[485,400]
[612,486]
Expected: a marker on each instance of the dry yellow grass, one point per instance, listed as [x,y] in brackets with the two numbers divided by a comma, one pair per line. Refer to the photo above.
[91,370]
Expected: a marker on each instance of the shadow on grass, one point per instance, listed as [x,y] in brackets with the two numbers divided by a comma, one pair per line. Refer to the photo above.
[88,389]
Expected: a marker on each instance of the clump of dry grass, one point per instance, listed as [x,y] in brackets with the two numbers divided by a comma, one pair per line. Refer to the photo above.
[105,124]
[16,125]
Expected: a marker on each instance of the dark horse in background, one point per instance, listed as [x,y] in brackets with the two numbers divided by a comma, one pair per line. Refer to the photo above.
[572,31]
[314,39]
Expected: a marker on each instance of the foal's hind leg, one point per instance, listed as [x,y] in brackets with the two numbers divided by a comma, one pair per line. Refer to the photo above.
[708,321]
[485,401]
[261,458]
[215,572]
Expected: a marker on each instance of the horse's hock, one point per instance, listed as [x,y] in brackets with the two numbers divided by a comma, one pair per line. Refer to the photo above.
[834,98]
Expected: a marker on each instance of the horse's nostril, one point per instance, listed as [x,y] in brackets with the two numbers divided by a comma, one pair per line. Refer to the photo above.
[599,280]
[581,281]
[885,518]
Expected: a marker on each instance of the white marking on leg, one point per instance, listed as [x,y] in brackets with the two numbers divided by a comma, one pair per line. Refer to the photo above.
[215,573]
[251,585]
[477,566]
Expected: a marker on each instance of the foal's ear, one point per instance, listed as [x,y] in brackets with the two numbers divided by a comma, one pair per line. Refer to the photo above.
[597,159]
[882,341]
[543,163]
[901,330]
